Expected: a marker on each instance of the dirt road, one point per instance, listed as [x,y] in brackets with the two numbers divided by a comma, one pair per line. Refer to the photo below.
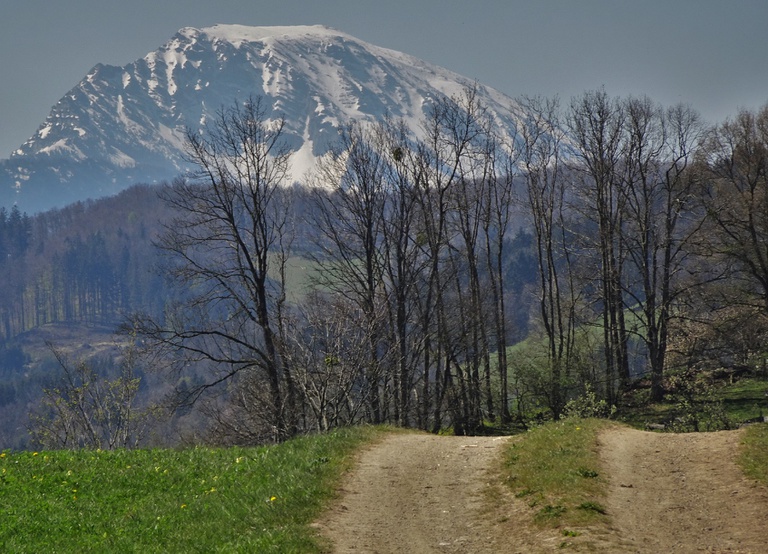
[682,493]
[419,493]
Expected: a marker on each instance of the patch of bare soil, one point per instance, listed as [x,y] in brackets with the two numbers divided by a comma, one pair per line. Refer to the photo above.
[682,493]
[75,340]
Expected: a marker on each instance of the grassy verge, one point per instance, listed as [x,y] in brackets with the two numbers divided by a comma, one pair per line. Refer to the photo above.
[556,469]
[754,453]
[195,500]
[746,399]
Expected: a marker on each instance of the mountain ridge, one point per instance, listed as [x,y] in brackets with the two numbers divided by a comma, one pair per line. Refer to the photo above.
[125,124]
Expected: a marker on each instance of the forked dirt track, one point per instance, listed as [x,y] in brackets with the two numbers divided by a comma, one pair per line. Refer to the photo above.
[667,493]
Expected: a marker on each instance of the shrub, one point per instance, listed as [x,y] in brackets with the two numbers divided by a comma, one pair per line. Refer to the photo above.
[588,405]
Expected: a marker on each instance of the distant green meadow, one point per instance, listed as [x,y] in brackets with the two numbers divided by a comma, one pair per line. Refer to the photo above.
[187,500]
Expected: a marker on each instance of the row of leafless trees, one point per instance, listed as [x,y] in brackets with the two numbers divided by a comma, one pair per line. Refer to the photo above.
[651,225]
[413,236]
[611,191]
[640,215]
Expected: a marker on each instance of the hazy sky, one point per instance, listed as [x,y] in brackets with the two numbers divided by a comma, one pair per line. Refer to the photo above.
[712,54]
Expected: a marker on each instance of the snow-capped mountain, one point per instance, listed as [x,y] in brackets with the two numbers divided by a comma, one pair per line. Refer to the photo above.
[122,125]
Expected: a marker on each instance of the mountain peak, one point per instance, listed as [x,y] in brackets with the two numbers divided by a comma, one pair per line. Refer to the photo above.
[237,34]
[123,125]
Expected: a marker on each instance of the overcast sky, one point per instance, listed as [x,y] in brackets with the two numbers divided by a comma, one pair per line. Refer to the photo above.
[712,54]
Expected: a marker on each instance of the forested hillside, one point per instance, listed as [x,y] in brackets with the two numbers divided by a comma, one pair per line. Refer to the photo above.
[70,276]
[73,276]
[87,263]
[454,280]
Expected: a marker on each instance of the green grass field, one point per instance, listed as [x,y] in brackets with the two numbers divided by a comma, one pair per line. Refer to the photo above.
[190,500]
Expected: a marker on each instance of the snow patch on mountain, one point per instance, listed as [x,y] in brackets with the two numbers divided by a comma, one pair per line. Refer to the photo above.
[237,35]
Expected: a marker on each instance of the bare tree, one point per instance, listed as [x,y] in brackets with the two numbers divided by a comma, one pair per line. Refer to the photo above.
[227,249]
[328,347]
[542,144]
[597,125]
[370,257]
[90,410]
[455,164]
[402,270]
[497,218]
[729,313]
[736,199]
[350,222]
[661,220]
